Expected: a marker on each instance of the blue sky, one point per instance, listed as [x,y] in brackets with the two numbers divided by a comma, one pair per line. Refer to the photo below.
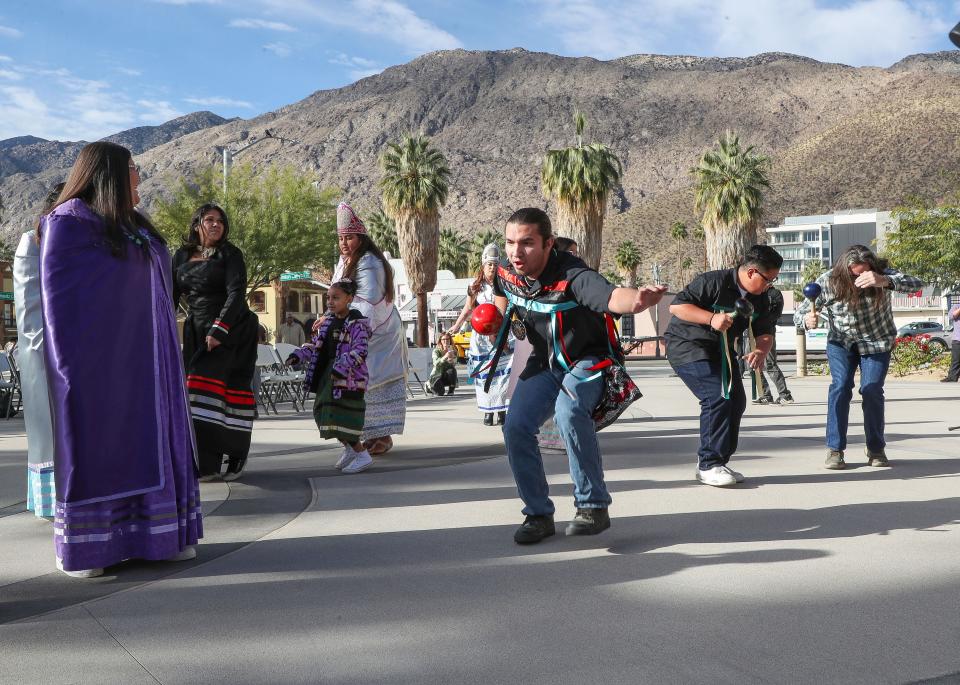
[83,69]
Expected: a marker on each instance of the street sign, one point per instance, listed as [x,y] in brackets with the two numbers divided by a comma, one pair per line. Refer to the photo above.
[4,295]
[295,276]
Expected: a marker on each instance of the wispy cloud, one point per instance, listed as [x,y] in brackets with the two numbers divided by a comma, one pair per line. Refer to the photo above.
[60,105]
[279,49]
[219,102]
[388,19]
[157,111]
[10,32]
[357,67]
[260,24]
[857,32]
[10,75]
[127,71]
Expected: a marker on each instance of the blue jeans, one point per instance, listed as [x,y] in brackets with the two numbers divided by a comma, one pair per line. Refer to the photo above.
[873,371]
[719,417]
[533,401]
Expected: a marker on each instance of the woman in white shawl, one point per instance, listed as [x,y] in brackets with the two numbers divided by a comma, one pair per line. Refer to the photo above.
[481,346]
[386,396]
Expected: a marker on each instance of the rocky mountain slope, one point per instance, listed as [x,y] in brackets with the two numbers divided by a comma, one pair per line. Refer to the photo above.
[29,166]
[839,136]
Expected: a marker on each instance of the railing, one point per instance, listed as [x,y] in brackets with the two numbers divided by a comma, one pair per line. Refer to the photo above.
[905,301]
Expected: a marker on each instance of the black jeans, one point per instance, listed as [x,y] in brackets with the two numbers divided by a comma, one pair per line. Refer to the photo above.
[719,417]
[448,379]
[954,373]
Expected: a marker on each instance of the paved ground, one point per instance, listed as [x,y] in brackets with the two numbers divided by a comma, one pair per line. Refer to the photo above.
[408,574]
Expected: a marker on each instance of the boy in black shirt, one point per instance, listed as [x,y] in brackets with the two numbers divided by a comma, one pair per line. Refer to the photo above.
[700,349]
[560,305]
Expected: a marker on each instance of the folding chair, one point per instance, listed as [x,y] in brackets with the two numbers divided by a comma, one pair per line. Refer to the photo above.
[10,382]
[265,364]
[419,364]
[288,381]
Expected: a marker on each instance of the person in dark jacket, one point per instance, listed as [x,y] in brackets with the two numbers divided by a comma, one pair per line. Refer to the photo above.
[219,342]
[700,343]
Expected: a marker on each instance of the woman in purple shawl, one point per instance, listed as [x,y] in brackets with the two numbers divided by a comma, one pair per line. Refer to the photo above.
[124,454]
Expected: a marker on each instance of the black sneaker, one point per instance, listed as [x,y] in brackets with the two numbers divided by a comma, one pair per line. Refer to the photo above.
[589,522]
[501,418]
[488,419]
[534,529]
[234,469]
[766,399]
[785,398]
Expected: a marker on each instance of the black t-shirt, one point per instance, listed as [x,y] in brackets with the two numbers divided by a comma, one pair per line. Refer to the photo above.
[584,331]
[715,291]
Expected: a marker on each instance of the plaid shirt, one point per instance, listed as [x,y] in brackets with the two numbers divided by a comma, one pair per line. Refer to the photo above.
[868,328]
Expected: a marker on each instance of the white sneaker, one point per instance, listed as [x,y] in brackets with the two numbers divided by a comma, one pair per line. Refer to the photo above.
[718,476]
[362,460]
[345,458]
[736,474]
[87,573]
[186,554]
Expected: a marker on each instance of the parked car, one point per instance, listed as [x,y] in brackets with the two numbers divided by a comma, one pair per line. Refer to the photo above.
[915,327]
[461,342]
[787,336]
[939,338]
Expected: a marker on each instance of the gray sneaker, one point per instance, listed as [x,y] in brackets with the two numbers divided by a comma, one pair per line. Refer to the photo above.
[835,460]
[877,458]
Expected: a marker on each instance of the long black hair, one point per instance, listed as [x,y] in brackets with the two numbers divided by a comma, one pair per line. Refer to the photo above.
[191,240]
[367,245]
[101,178]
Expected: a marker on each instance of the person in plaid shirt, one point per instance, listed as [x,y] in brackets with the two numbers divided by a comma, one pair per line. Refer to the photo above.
[855,301]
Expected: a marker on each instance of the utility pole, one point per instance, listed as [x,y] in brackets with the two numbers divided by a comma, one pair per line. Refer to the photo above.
[229,154]
[656,308]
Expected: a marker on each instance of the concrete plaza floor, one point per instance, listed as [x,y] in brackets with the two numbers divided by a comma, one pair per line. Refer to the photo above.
[407,573]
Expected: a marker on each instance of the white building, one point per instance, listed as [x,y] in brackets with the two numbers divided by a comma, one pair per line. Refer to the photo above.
[801,239]
[445,301]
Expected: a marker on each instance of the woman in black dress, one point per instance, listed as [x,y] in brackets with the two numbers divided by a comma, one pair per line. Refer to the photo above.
[219,342]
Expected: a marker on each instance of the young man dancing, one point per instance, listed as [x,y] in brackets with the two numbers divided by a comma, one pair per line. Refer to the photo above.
[700,341]
[560,306]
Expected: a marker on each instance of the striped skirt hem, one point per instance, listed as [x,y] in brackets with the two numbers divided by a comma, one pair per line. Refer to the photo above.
[41,491]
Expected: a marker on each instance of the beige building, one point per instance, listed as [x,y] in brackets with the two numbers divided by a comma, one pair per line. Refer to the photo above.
[298,294]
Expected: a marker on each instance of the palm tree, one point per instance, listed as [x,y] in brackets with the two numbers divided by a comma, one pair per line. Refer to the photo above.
[678,231]
[628,258]
[684,267]
[383,231]
[701,235]
[581,179]
[454,252]
[415,184]
[729,184]
[486,236]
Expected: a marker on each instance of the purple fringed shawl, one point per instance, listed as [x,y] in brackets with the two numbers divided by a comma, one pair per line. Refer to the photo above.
[102,359]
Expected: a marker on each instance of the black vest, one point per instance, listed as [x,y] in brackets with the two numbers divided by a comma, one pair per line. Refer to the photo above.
[560,329]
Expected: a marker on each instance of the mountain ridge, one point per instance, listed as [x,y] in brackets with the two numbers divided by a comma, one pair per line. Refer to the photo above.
[495,113]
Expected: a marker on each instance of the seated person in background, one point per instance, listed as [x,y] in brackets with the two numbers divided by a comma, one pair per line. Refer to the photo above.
[444,373]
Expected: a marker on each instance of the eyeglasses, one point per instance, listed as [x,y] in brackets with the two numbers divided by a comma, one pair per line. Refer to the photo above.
[768,281]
